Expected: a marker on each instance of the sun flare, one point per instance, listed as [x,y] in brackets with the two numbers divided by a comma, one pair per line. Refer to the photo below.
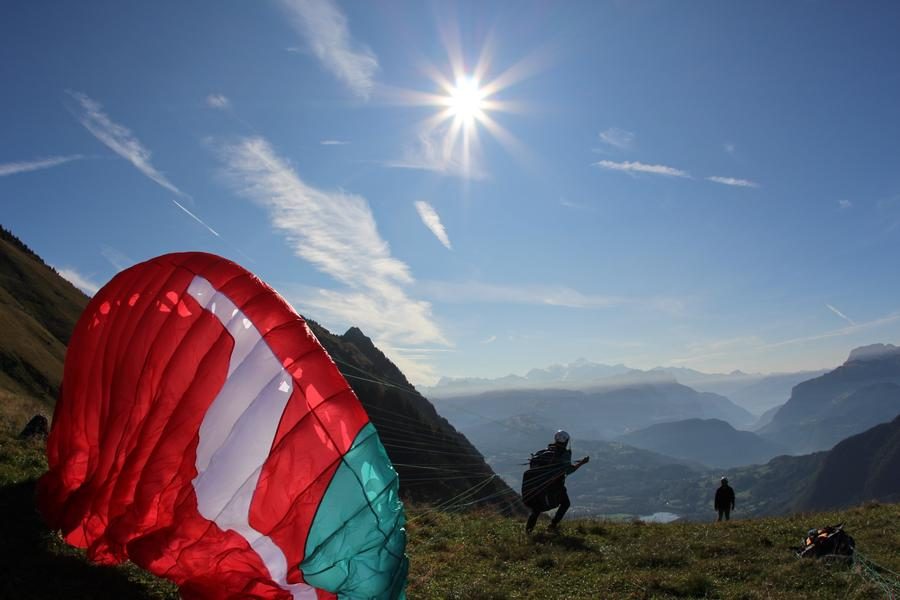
[449,141]
[466,100]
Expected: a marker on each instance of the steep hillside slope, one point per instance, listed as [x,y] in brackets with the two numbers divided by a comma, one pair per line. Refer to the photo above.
[861,468]
[38,310]
[711,442]
[765,418]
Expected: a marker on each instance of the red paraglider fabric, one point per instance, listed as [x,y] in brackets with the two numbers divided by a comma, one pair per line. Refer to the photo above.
[159,390]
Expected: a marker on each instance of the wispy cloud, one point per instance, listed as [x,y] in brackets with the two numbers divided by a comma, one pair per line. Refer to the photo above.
[570,204]
[336,232]
[473,292]
[14,168]
[334,142]
[83,283]
[431,153]
[729,147]
[120,140]
[116,258]
[218,101]
[617,138]
[638,167]
[324,26]
[733,182]
[415,364]
[433,222]
[840,314]
[466,292]
[845,204]
[489,340]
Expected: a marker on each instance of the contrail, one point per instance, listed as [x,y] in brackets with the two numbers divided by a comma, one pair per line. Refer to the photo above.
[840,314]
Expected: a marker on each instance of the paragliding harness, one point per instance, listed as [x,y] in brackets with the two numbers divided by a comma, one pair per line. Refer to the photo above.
[833,543]
[827,541]
[543,482]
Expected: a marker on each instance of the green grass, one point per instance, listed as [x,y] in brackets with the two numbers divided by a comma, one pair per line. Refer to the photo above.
[482,556]
[37,564]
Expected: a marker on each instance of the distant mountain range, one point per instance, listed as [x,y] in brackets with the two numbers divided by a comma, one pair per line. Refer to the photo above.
[753,391]
[857,395]
[39,309]
[756,393]
[599,414]
[576,375]
[712,442]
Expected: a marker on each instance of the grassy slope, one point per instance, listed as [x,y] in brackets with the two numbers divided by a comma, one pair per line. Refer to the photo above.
[484,556]
[488,557]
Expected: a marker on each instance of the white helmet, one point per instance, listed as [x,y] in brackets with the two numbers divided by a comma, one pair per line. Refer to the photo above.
[561,437]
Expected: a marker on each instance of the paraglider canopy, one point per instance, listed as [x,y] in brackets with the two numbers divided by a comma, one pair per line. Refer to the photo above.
[203,433]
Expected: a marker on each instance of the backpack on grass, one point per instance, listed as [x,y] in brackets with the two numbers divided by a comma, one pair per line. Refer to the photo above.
[827,541]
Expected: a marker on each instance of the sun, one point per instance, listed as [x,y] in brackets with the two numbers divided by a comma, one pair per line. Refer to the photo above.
[449,140]
[466,100]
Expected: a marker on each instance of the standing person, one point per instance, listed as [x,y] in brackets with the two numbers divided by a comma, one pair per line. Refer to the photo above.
[544,484]
[724,500]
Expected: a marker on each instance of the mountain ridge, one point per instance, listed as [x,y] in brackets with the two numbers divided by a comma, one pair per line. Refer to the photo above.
[711,442]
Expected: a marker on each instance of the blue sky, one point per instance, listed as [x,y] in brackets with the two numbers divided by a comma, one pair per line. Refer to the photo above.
[707,184]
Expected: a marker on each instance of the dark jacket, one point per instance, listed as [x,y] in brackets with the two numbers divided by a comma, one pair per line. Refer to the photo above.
[543,487]
[564,458]
[724,498]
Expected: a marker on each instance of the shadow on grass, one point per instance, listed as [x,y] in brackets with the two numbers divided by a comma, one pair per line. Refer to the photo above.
[37,565]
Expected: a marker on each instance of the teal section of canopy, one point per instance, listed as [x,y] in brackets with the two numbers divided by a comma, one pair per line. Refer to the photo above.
[356,544]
